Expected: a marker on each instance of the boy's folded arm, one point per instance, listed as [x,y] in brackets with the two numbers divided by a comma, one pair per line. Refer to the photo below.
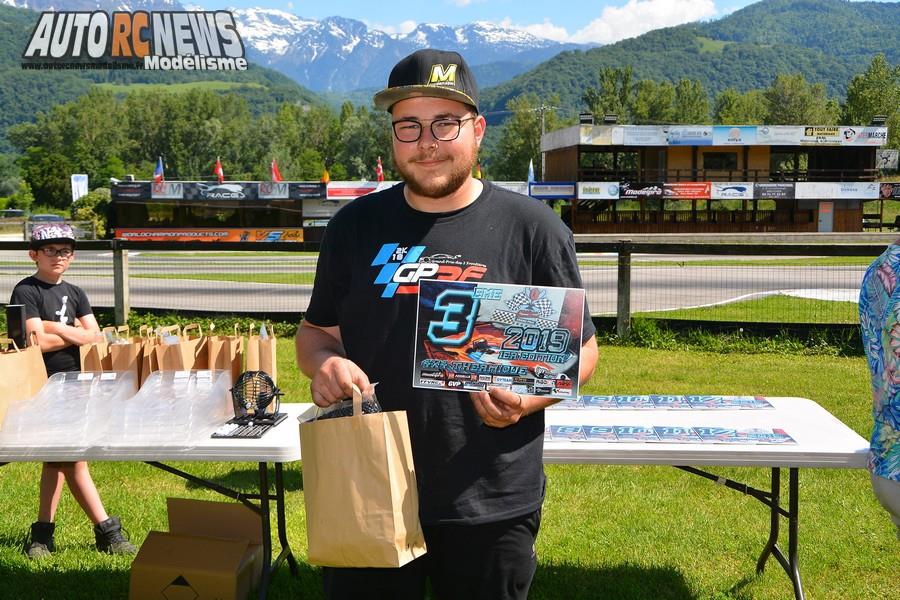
[47,339]
[69,334]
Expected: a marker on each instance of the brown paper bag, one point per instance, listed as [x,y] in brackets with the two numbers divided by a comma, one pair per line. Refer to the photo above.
[261,353]
[226,352]
[189,353]
[149,360]
[126,357]
[22,372]
[359,485]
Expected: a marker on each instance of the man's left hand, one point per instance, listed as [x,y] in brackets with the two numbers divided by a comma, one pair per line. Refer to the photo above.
[498,407]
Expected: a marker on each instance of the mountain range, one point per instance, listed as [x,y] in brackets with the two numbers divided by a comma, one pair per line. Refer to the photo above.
[338,54]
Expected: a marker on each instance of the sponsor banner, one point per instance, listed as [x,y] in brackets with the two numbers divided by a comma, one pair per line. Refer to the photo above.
[889,189]
[692,190]
[742,135]
[212,234]
[131,190]
[270,190]
[599,190]
[863,136]
[779,135]
[523,338]
[158,41]
[551,191]
[643,135]
[774,191]
[736,190]
[690,136]
[598,135]
[830,135]
[308,223]
[633,191]
[301,191]
[323,207]
[355,189]
[167,190]
[887,159]
[836,191]
[519,187]
[234,190]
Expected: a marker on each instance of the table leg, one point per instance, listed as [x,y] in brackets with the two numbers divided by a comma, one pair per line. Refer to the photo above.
[791,562]
[282,524]
[266,530]
[774,521]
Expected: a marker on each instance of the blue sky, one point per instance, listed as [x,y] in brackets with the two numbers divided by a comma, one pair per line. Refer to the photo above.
[601,21]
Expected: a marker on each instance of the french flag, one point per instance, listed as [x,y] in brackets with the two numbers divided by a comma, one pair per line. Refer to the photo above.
[158,176]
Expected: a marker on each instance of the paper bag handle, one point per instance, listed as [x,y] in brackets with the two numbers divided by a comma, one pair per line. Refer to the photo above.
[8,342]
[357,401]
[191,327]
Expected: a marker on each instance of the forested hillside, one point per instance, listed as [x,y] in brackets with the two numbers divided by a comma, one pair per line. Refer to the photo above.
[827,41]
[24,93]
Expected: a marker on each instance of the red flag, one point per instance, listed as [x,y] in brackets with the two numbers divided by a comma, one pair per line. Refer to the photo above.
[276,174]
[220,174]
[379,172]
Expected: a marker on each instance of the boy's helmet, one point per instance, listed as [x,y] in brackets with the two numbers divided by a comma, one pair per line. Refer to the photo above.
[56,233]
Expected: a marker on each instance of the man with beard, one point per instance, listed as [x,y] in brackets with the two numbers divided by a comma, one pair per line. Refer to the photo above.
[477,455]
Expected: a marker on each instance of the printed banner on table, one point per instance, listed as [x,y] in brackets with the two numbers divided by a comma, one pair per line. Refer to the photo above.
[475,336]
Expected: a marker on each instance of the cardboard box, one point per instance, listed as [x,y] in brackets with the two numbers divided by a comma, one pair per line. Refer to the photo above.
[213,550]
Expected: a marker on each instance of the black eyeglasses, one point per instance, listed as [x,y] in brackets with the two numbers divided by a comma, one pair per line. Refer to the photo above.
[443,130]
[61,252]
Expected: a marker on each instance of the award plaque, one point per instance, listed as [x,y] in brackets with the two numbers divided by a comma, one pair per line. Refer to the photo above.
[476,335]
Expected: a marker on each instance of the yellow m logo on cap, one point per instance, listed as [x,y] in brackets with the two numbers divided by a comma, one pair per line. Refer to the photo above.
[441,74]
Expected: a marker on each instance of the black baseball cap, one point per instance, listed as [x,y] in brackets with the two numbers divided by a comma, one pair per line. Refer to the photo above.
[430,73]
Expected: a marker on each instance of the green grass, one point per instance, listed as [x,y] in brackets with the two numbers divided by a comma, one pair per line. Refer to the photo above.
[292,278]
[711,46]
[618,532]
[774,309]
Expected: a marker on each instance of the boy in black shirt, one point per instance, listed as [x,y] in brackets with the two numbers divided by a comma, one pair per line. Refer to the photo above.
[60,314]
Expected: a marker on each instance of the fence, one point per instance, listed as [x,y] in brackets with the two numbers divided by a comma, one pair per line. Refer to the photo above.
[707,281]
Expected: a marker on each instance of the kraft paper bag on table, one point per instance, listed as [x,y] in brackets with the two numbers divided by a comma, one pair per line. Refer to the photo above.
[187,353]
[226,352]
[149,360]
[359,485]
[125,351]
[22,372]
[95,356]
[261,353]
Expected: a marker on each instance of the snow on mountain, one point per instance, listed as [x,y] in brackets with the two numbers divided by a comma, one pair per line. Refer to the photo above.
[341,54]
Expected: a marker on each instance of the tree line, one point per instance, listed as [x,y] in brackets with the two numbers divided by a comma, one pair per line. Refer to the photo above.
[108,136]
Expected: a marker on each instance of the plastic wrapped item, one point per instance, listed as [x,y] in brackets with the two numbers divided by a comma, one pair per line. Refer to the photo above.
[72,410]
[344,408]
[173,407]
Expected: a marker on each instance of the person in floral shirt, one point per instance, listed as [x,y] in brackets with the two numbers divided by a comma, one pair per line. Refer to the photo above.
[879,319]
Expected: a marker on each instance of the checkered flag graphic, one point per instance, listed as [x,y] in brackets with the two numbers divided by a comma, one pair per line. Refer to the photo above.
[521,300]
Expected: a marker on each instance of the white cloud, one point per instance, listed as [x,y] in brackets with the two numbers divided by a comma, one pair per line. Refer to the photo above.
[462,2]
[620,22]
[640,16]
[399,29]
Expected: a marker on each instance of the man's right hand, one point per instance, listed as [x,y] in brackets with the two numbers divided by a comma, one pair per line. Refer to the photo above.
[334,381]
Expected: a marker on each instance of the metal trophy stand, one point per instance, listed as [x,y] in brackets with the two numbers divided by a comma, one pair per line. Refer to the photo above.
[253,394]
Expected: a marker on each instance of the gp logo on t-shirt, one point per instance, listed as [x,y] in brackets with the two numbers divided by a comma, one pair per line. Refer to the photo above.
[403,266]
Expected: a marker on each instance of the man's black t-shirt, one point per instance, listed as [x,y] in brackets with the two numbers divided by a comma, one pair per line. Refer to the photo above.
[374,251]
[61,302]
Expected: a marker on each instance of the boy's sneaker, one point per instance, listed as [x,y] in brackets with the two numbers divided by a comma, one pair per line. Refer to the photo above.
[110,539]
[40,543]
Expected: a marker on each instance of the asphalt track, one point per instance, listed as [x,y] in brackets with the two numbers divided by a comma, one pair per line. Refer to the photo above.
[681,285]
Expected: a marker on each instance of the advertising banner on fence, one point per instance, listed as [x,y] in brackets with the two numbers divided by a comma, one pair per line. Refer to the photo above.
[732,190]
[633,191]
[598,190]
[889,190]
[212,234]
[863,136]
[691,190]
[131,190]
[690,136]
[271,190]
[318,208]
[836,191]
[774,191]
[220,191]
[887,159]
[519,187]
[167,190]
[551,191]
[475,336]
[725,135]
